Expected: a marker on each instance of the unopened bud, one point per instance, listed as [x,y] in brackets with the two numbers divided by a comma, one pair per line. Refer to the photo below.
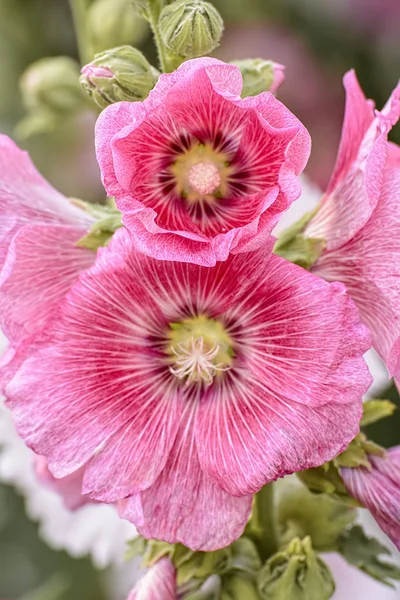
[113,23]
[296,573]
[52,84]
[190,28]
[260,76]
[119,74]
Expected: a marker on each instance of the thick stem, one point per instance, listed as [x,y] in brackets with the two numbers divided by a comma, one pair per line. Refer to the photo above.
[263,522]
[79,13]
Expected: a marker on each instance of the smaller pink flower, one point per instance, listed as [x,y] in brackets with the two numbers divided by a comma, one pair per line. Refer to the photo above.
[378,490]
[69,488]
[39,258]
[197,171]
[360,219]
[159,583]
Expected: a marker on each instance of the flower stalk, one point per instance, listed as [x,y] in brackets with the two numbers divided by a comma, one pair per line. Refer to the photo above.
[79,11]
[262,525]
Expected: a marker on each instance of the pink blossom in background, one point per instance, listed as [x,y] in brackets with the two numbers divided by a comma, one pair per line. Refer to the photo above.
[39,259]
[378,490]
[197,171]
[159,583]
[183,389]
[69,488]
[360,216]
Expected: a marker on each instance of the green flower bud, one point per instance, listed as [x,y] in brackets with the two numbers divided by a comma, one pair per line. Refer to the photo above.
[190,28]
[296,573]
[52,84]
[259,76]
[118,74]
[113,23]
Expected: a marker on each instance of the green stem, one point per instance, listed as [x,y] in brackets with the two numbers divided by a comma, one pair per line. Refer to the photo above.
[79,12]
[154,9]
[263,522]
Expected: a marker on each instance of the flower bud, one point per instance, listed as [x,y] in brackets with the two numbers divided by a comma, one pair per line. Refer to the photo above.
[119,74]
[52,84]
[260,76]
[190,28]
[296,573]
[113,23]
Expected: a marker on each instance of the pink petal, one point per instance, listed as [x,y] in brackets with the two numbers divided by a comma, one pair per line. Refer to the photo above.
[69,488]
[353,196]
[368,266]
[42,263]
[26,198]
[304,384]
[185,506]
[159,583]
[100,389]
[358,116]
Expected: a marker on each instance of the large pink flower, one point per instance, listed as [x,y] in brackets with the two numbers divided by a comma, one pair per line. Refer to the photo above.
[183,389]
[378,490]
[360,219]
[159,583]
[197,171]
[39,258]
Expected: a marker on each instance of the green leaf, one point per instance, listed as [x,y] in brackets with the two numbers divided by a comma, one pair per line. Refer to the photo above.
[301,513]
[375,410]
[363,552]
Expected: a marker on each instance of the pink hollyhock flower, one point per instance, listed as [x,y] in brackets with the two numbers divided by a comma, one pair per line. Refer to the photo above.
[159,583]
[197,171]
[39,259]
[183,390]
[378,490]
[69,488]
[360,219]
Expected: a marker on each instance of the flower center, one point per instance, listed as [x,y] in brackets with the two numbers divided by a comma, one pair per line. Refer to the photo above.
[204,178]
[199,350]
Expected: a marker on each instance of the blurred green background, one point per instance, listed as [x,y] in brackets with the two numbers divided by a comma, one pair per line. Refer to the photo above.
[317,40]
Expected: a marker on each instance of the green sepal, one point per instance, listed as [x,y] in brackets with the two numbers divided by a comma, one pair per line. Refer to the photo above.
[156,550]
[301,513]
[296,573]
[108,220]
[136,547]
[295,247]
[364,553]
[375,410]
[357,452]
[209,590]
[200,565]
[326,479]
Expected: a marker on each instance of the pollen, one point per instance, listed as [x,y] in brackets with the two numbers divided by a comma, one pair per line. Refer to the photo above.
[199,349]
[204,178]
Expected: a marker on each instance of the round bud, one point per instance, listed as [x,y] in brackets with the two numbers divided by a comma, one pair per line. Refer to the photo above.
[119,74]
[53,84]
[113,23]
[259,76]
[190,28]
